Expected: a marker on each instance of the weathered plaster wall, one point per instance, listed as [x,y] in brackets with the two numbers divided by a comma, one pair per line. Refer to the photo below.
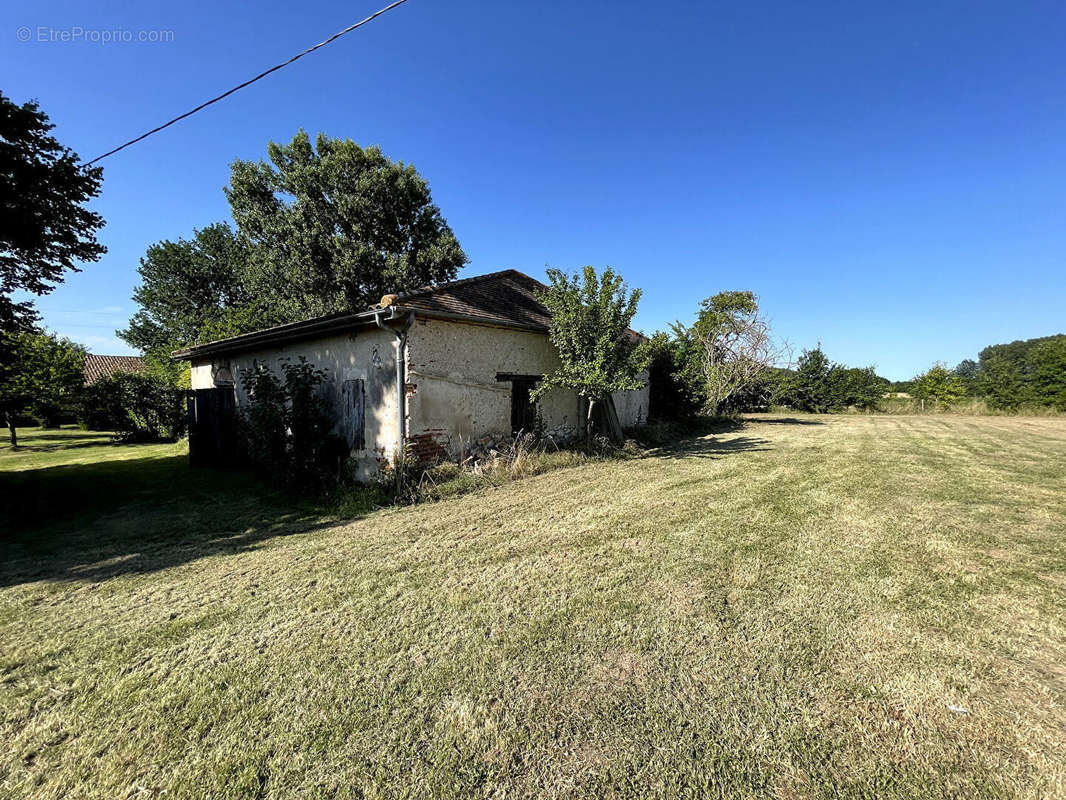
[632,407]
[368,355]
[455,401]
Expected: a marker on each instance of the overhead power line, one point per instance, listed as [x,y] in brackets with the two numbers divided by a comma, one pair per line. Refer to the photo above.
[248,82]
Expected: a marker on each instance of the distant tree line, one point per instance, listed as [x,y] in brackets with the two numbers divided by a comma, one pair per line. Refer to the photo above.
[1028,373]
[726,363]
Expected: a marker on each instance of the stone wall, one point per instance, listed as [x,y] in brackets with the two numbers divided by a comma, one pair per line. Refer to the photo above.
[457,406]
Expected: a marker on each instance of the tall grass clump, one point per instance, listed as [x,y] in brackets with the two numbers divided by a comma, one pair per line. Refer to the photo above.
[970,406]
[524,455]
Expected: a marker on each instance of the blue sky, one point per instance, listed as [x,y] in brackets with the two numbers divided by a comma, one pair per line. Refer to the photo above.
[889,178]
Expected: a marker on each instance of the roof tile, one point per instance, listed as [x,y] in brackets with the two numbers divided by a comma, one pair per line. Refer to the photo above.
[97,367]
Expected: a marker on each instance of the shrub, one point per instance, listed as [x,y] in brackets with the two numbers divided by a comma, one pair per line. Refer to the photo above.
[286,426]
[939,386]
[139,408]
[523,456]
[676,387]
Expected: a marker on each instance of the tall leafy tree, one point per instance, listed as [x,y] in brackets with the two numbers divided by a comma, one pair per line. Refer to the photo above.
[45,228]
[598,353]
[809,387]
[968,372]
[735,346]
[44,372]
[333,226]
[1000,381]
[189,290]
[1047,368]
[1022,372]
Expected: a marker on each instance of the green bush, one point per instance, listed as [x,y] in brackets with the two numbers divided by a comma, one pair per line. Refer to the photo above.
[938,386]
[676,388]
[138,408]
[286,426]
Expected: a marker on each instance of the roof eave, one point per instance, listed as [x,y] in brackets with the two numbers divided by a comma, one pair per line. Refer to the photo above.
[293,331]
[311,329]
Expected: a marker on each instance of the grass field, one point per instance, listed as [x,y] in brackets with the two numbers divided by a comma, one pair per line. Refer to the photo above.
[855,606]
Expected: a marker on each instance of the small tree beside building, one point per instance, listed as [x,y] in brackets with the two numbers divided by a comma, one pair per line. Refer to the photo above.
[598,352]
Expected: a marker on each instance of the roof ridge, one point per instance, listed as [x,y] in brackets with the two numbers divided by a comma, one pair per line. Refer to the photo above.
[461,282]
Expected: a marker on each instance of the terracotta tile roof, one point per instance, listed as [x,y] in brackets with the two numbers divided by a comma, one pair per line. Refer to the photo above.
[97,367]
[506,298]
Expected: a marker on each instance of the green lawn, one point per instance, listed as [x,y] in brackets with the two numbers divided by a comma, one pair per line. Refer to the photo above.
[843,606]
[74,503]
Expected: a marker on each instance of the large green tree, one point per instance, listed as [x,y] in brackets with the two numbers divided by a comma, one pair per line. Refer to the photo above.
[810,387]
[1047,370]
[734,344]
[43,372]
[1023,372]
[45,229]
[189,290]
[334,226]
[598,353]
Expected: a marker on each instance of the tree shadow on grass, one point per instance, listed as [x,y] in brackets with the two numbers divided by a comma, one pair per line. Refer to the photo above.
[705,437]
[786,421]
[27,449]
[58,439]
[90,522]
[712,447]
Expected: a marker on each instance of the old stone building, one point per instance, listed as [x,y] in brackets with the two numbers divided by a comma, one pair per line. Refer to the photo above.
[470,351]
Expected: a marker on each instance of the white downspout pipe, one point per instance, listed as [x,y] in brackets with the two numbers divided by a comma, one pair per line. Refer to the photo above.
[400,332]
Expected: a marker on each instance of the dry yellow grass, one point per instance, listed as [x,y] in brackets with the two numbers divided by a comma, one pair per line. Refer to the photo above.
[804,607]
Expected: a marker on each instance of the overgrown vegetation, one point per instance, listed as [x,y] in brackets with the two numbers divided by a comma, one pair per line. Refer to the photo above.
[136,407]
[285,427]
[522,456]
[734,348]
[728,362]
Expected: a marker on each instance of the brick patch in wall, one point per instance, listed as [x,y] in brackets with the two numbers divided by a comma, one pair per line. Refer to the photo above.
[429,447]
